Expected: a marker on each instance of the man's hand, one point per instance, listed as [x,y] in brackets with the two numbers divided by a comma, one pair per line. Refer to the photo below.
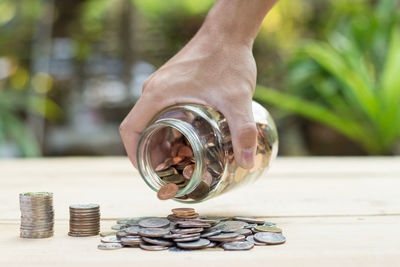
[215,68]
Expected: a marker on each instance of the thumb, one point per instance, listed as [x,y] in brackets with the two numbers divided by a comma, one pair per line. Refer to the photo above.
[244,133]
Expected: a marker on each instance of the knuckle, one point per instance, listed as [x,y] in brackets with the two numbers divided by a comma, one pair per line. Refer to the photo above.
[123,126]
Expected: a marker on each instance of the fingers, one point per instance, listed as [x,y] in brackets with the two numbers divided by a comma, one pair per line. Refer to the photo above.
[133,125]
[243,130]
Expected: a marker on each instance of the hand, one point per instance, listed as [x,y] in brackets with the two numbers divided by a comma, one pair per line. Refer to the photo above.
[209,70]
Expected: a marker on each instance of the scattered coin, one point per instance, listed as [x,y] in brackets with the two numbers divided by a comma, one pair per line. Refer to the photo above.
[232,226]
[158,241]
[245,232]
[270,238]
[250,238]
[109,246]
[110,239]
[167,191]
[153,232]
[239,245]
[154,223]
[177,233]
[152,247]
[248,219]
[131,241]
[266,228]
[201,243]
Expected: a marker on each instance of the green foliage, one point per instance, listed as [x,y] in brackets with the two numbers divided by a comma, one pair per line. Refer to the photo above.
[350,82]
[12,127]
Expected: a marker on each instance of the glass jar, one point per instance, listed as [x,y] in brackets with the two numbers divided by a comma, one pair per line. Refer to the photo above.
[205,130]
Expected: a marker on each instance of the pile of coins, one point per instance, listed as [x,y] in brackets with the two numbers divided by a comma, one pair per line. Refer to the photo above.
[177,170]
[185,230]
[37,214]
[84,220]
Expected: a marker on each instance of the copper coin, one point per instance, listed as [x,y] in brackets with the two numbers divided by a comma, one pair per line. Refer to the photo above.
[207,178]
[185,151]
[176,160]
[167,191]
[174,179]
[192,216]
[162,166]
[184,211]
[188,171]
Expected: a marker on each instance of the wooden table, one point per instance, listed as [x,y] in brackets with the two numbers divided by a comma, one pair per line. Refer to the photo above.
[334,212]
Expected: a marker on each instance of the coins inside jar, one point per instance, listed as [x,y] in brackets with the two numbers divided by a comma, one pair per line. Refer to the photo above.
[84,220]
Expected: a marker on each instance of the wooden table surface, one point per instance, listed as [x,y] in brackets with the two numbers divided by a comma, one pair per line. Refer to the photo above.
[333,211]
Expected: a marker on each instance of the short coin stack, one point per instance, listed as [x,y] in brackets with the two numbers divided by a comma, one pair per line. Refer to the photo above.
[37,214]
[185,230]
[84,220]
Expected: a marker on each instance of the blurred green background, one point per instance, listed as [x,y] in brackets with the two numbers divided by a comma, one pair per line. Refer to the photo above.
[329,72]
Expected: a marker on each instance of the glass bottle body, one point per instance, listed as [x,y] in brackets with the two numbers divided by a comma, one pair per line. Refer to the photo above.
[206,131]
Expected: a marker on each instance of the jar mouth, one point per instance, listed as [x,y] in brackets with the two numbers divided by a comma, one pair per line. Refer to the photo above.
[144,155]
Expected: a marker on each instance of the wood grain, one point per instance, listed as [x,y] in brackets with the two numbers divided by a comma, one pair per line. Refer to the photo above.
[334,212]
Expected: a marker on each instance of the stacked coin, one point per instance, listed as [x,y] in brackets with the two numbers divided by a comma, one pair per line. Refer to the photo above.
[185,230]
[84,220]
[37,214]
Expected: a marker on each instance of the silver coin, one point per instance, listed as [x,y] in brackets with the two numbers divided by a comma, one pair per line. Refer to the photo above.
[110,239]
[270,238]
[152,247]
[212,232]
[245,232]
[187,230]
[132,230]
[153,232]
[118,227]
[193,224]
[248,219]
[250,238]
[172,236]
[187,239]
[121,233]
[103,234]
[109,246]
[154,223]
[240,245]
[232,226]
[201,243]
[158,241]
[84,206]
[269,224]
[131,241]
[223,236]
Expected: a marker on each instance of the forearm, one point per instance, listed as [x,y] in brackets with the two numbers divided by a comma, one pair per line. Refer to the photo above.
[237,20]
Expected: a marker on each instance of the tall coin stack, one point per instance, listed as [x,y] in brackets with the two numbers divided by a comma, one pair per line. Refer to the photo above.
[84,220]
[37,214]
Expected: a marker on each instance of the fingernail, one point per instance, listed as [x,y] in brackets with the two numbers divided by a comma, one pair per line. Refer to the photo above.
[248,158]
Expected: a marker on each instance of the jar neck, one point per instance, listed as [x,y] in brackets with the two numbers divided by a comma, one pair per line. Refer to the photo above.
[144,154]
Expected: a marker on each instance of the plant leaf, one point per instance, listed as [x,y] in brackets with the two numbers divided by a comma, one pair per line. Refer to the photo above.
[318,113]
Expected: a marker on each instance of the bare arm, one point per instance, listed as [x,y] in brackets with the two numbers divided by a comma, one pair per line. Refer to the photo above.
[215,68]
